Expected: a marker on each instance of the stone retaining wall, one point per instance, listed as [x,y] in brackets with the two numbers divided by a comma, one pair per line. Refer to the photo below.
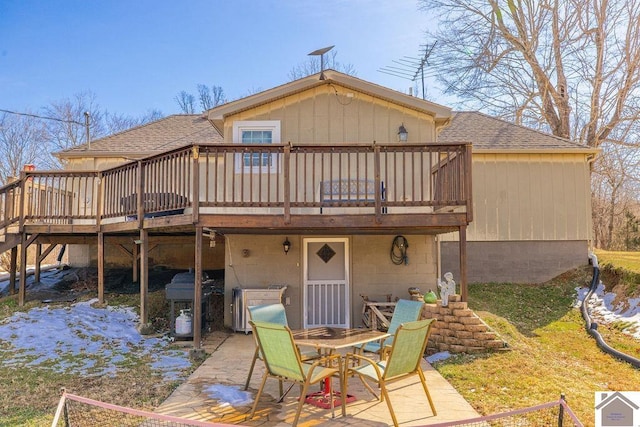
[458,329]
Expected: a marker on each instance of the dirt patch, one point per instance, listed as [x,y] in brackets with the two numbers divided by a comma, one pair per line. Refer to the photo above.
[623,283]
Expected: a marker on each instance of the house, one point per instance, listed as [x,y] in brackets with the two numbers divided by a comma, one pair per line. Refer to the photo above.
[333,165]
[531,202]
[335,187]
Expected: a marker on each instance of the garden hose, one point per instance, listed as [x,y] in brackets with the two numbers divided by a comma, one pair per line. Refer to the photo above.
[592,327]
[399,251]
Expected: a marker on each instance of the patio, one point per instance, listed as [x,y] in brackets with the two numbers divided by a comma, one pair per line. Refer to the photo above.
[228,363]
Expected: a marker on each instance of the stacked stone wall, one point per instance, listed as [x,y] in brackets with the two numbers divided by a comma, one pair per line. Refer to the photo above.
[458,329]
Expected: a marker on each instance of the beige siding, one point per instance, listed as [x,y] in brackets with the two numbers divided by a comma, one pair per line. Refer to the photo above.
[326,114]
[372,272]
[530,197]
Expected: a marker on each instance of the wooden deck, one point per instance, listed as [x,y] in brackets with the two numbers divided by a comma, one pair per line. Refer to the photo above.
[239,188]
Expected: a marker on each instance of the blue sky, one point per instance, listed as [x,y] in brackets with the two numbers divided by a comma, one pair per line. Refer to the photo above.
[137,55]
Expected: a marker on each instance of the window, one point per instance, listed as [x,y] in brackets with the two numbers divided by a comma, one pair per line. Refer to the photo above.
[256,132]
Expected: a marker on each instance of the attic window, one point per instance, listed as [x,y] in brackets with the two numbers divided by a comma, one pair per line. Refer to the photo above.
[255,133]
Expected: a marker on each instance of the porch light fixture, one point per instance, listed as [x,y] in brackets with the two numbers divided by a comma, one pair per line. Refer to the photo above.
[402,133]
[286,245]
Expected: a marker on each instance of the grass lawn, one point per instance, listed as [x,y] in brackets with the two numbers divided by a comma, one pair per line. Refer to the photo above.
[551,352]
[629,261]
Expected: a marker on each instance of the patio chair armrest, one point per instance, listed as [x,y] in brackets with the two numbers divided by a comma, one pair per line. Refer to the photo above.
[384,351]
[328,361]
[357,359]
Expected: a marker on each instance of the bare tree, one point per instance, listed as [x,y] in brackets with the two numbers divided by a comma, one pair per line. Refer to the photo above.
[615,191]
[312,66]
[119,122]
[186,102]
[68,129]
[21,139]
[572,66]
[210,97]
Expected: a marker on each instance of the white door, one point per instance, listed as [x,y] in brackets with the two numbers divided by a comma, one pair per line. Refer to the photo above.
[326,282]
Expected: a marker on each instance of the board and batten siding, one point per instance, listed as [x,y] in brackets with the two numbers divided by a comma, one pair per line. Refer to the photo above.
[530,197]
[335,114]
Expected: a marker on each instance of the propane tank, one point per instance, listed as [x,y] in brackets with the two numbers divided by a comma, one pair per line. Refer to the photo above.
[183,322]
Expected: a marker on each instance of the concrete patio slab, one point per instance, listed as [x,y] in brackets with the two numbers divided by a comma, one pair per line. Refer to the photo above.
[227,367]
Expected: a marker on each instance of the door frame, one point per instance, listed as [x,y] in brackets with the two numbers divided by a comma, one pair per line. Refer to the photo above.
[347,274]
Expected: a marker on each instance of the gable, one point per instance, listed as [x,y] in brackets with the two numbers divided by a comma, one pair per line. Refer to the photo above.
[336,114]
[339,108]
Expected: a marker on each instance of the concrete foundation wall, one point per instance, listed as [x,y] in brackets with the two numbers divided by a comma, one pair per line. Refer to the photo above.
[515,261]
[180,256]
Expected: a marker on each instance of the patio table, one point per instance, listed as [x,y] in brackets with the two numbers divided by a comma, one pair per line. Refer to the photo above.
[328,340]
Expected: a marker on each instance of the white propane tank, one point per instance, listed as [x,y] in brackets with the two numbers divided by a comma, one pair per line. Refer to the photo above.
[183,322]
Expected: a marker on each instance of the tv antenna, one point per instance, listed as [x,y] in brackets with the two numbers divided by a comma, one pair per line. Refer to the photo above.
[411,68]
[320,53]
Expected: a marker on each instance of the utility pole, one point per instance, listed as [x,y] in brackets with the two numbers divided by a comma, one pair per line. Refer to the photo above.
[86,124]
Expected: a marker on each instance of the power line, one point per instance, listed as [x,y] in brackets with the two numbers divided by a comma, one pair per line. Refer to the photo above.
[41,117]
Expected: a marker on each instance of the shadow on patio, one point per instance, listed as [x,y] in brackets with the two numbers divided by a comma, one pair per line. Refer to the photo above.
[225,370]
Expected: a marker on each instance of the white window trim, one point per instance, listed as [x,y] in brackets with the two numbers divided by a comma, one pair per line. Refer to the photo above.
[241,125]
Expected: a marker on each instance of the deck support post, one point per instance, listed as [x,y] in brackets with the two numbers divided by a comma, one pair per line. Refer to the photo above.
[100,267]
[135,254]
[463,262]
[197,291]
[144,276]
[22,291]
[12,270]
[36,273]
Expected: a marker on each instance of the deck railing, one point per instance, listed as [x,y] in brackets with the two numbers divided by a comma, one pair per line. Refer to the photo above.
[276,179]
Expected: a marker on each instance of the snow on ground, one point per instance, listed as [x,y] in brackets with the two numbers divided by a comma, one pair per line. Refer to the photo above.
[601,309]
[84,340]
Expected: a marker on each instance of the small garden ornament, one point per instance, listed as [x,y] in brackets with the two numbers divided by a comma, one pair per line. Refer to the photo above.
[446,288]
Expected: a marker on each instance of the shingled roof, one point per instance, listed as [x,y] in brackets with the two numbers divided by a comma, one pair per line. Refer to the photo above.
[162,135]
[490,133]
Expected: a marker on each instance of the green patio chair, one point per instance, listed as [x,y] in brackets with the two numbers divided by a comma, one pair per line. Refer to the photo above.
[404,311]
[407,351]
[272,313]
[282,361]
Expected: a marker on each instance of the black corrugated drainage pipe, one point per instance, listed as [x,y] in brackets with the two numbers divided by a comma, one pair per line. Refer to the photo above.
[592,327]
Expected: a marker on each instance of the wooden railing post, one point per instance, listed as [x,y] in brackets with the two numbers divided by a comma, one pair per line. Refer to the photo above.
[100,201]
[377,182]
[195,202]
[23,190]
[467,177]
[287,183]
[140,191]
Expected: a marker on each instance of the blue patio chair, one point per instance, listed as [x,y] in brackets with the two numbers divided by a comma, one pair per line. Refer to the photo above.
[407,351]
[272,313]
[405,311]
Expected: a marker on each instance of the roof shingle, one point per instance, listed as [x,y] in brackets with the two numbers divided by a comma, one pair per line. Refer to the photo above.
[486,132]
[162,135]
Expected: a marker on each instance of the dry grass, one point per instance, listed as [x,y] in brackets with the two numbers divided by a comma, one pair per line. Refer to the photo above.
[28,397]
[551,351]
[629,261]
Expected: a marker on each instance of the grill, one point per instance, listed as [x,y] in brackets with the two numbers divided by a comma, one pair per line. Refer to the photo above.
[181,291]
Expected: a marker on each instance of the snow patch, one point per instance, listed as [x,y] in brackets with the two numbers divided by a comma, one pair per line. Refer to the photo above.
[601,307]
[85,340]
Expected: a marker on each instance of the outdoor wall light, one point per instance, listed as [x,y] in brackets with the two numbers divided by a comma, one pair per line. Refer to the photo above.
[402,133]
[286,245]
